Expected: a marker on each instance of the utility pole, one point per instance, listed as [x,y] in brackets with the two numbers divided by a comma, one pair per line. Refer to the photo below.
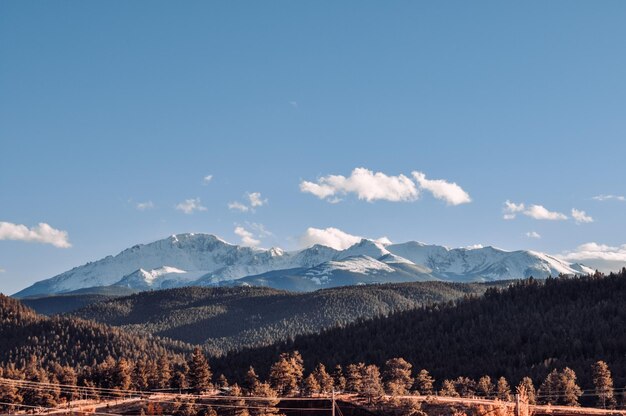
[518,411]
[333,404]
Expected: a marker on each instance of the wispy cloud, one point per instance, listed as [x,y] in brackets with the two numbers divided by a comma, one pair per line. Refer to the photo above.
[2,270]
[238,206]
[254,200]
[450,192]
[332,237]
[144,206]
[260,229]
[538,212]
[207,179]
[247,238]
[603,198]
[189,206]
[533,234]
[41,233]
[581,216]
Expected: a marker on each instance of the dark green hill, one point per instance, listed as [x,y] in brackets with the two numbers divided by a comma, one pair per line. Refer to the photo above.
[67,340]
[71,301]
[225,319]
[526,329]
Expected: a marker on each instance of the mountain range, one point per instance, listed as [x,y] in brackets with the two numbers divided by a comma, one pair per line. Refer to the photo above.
[206,260]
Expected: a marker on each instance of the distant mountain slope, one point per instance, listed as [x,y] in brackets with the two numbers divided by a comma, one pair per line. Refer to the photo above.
[206,260]
[70,301]
[525,330]
[69,341]
[225,319]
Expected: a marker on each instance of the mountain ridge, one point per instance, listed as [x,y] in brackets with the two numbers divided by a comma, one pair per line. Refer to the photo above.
[206,260]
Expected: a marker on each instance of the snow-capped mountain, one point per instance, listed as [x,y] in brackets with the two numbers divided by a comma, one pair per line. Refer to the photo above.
[203,259]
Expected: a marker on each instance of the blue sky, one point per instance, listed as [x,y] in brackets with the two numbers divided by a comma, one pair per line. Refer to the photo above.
[105,105]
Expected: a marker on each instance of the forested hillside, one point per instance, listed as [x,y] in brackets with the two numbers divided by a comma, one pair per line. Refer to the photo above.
[527,329]
[68,341]
[225,319]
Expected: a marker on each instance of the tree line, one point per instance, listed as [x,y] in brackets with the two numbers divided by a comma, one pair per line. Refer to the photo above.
[526,329]
[286,378]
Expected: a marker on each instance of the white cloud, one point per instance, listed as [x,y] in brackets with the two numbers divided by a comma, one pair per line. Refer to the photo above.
[332,237]
[538,212]
[256,200]
[144,206]
[580,216]
[452,193]
[599,256]
[247,238]
[207,179]
[189,206]
[511,209]
[238,206]
[609,197]
[533,234]
[41,233]
[364,183]
[595,251]
[2,270]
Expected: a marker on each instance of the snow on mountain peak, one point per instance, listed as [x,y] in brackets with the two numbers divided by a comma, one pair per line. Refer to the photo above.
[190,259]
[365,247]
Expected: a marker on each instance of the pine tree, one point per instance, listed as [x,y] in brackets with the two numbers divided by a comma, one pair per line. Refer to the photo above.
[485,387]
[372,385]
[37,396]
[466,387]
[238,404]
[424,383]
[310,386]
[529,388]
[222,382]
[180,379]
[354,377]
[267,406]
[199,372]
[503,390]
[550,388]
[397,376]
[324,380]
[603,383]
[569,389]
[140,375]
[122,375]
[163,379]
[339,380]
[9,393]
[448,389]
[251,381]
[67,376]
[286,373]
